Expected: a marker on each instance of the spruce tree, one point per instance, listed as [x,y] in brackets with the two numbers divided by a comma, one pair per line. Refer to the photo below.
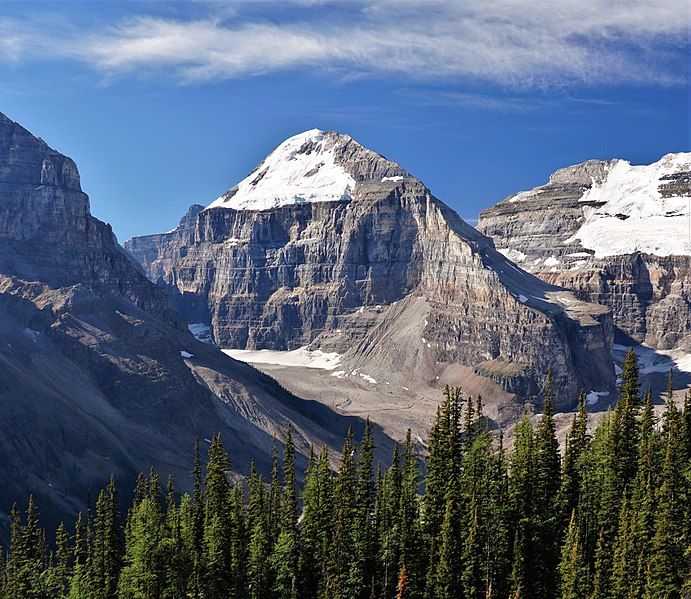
[670,542]
[286,552]
[317,526]
[547,516]
[573,570]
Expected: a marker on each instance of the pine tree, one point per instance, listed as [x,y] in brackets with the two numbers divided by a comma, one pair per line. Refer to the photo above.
[286,552]
[340,584]
[259,550]
[143,574]
[104,566]
[217,563]
[447,584]
[576,444]
[573,570]
[411,549]
[547,517]
[363,566]
[316,529]
[58,576]
[670,541]
[522,487]
[618,473]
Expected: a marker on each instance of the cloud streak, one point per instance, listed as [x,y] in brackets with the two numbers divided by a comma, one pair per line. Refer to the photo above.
[512,43]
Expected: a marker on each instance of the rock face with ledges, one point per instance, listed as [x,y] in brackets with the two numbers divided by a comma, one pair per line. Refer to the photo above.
[616,234]
[283,267]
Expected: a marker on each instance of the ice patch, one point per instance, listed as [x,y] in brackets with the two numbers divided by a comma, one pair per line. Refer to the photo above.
[513,255]
[201,331]
[522,298]
[31,334]
[289,176]
[594,396]
[186,354]
[308,358]
[654,360]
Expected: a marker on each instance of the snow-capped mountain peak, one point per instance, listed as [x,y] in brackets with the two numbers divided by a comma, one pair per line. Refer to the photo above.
[301,169]
[313,166]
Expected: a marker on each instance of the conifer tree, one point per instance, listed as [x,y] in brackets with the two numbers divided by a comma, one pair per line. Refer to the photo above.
[522,497]
[340,584]
[217,563]
[363,566]
[670,541]
[411,550]
[286,552]
[316,529]
[259,550]
[573,570]
[547,517]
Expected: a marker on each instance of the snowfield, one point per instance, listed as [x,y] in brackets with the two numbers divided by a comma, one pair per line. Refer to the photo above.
[309,358]
[288,176]
[635,217]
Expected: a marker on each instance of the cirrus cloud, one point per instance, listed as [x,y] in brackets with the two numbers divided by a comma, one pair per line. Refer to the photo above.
[511,43]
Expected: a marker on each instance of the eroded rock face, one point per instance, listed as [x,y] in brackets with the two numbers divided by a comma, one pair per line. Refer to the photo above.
[99,373]
[282,268]
[614,233]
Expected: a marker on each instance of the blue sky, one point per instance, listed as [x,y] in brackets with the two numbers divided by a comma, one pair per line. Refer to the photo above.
[166,104]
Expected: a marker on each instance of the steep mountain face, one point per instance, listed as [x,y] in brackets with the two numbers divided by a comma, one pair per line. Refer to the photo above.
[332,246]
[616,234]
[99,374]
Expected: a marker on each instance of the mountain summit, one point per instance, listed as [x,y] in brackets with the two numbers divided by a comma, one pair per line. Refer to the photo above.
[329,246]
[314,166]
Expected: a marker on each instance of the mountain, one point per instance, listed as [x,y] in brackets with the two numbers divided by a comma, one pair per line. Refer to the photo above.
[100,374]
[616,234]
[330,250]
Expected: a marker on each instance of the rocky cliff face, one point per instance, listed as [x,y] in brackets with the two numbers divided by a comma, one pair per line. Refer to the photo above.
[331,245]
[99,372]
[616,234]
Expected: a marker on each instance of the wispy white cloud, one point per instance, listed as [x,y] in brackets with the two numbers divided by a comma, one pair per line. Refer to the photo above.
[513,43]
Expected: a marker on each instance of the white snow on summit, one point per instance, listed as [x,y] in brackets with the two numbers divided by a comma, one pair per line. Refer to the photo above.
[288,176]
[635,217]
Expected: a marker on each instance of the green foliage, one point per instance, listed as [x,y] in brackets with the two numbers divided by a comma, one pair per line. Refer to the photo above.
[611,521]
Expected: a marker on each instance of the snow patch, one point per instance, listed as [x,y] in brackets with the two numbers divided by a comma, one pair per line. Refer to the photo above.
[522,298]
[627,213]
[513,255]
[654,360]
[552,261]
[594,396]
[31,334]
[397,178]
[201,331]
[308,358]
[186,354]
[289,176]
